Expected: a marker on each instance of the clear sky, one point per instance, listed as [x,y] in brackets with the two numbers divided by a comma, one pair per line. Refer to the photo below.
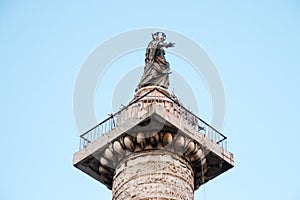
[254,45]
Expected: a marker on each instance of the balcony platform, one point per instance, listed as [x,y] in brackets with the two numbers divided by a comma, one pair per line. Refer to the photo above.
[153,122]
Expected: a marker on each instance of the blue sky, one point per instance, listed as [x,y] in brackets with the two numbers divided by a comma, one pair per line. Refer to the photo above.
[254,45]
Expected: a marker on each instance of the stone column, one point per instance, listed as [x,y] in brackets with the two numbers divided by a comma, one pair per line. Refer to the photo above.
[153,175]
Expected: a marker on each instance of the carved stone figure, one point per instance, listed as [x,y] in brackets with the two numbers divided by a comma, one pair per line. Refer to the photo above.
[157,69]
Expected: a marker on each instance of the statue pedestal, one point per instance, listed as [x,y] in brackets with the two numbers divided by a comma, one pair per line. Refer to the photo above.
[142,91]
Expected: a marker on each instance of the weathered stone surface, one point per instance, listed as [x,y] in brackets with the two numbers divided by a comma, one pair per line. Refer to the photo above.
[153,175]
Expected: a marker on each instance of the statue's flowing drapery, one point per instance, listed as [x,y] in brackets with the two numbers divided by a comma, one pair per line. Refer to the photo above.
[157,69]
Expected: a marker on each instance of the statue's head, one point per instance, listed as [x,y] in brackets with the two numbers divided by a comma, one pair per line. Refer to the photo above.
[160,36]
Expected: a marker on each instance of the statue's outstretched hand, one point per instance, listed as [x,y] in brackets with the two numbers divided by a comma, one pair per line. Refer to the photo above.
[171,44]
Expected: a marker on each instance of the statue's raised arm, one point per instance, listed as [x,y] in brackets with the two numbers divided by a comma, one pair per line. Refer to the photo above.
[157,69]
[167,45]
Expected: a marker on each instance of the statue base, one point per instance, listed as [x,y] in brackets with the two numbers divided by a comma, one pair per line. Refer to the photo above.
[146,89]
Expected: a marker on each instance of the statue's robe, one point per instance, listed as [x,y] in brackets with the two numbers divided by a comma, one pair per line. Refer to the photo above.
[157,69]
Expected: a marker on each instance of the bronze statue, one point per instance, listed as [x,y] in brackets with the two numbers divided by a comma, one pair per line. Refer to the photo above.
[157,69]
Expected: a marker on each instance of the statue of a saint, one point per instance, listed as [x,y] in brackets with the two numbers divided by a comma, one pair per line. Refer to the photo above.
[157,69]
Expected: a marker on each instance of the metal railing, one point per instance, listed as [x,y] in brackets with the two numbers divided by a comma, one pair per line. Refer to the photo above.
[147,99]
